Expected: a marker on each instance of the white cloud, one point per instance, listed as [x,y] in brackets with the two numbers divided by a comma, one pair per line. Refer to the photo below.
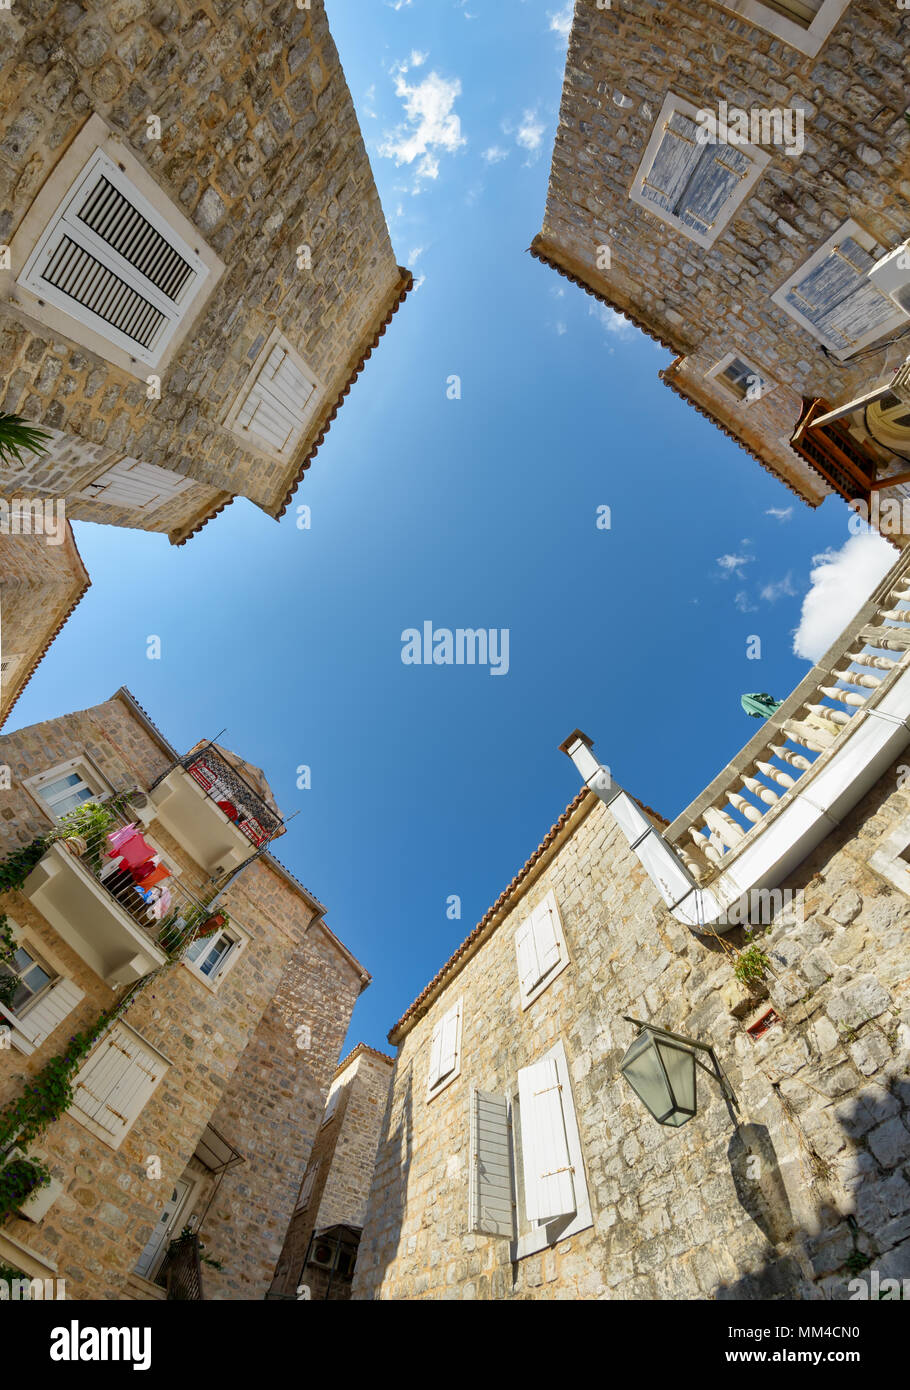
[417,58]
[783,588]
[733,564]
[612,321]
[742,602]
[529,134]
[421,280]
[561,329]
[839,585]
[430,124]
[397,4]
[780,513]
[415,255]
[561,22]
[495,154]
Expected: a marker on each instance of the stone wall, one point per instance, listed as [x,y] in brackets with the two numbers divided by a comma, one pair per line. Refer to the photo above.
[345,1153]
[232,1051]
[260,148]
[40,585]
[677,1213]
[704,303]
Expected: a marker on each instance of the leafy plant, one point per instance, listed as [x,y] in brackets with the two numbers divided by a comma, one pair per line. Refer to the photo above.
[751,965]
[9,981]
[19,1179]
[91,822]
[17,436]
[16,867]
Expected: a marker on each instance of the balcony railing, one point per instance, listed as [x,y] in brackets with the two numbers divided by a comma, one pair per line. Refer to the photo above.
[181,1269]
[231,792]
[852,683]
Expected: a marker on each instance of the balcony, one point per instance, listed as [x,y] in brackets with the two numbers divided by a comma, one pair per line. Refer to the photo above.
[806,768]
[214,807]
[101,913]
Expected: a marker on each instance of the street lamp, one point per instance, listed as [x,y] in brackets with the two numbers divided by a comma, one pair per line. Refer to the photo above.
[660,1068]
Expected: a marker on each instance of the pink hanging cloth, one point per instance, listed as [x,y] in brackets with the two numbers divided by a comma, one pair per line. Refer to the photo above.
[119,837]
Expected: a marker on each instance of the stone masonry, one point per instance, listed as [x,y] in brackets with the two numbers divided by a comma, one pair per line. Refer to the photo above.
[824,1097]
[704,303]
[261,150]
[233,1049]
[342,1158]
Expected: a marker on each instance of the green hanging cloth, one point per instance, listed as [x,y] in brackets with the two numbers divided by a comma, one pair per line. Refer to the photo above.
[760,706]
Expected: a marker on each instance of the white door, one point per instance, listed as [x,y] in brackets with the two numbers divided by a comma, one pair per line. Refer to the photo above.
[150,1257]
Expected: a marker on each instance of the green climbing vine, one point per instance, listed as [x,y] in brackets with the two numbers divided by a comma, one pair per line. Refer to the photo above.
[751,965]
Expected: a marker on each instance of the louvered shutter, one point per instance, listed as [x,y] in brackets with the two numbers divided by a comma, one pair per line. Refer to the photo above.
[118,1079]
[140,486]
[526,951]
[715,178]
[673,164]
[331,1105]
[275,408]
[490,1209]
[30,1030]
[837,297]
[546,938]
[546,1166]
[436,1054]
[112,262]
[449,1045]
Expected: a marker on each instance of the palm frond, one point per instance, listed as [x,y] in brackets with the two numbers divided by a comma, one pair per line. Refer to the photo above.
[18,436]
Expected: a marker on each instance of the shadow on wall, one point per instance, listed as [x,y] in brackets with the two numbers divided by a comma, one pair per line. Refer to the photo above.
[849,1255]
[393,1202]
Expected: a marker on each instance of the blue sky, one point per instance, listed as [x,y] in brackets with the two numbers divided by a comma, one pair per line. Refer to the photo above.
[433,781]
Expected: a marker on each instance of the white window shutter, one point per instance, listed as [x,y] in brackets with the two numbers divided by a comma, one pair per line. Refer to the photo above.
[44,1016]
[490,1209]
[331,1105]
[451,1028]
[546,1165]
[113,1086]
[526,951]
[837,297]
[277,404]
[436,1054]
[673,164]
[546,938]
[140,486]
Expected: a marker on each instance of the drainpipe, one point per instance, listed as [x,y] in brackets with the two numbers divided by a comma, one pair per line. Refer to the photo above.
[693,906]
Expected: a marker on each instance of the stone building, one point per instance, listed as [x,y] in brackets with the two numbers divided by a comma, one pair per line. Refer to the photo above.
[516,1161]
[195,1107]
[194,265]
[42,578]
[734,179]
[320,1249]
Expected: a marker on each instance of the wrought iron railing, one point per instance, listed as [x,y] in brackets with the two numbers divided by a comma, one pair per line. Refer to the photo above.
[230,790]
[181,1270]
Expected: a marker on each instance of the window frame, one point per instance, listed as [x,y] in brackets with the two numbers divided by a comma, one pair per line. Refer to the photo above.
[36,960]
[240,937]
[673,105]
[808,41]
[96,136]
[540,1237]
[716,373]
[434,1088]
[82,764]
[868,243]
[526,999]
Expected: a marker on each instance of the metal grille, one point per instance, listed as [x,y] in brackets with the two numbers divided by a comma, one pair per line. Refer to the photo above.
[181,1272]
[223,783]
[113,217]
[77,273]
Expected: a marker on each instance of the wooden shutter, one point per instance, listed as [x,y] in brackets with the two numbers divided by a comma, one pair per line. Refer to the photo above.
[673,164]
[275,408]
[331,1105]
[45,1015]
[546,937]
[118,1079]
[526,951]
[445,1046]
[140,486]
[718,174]
[547,1168]
[110,260]
[490,1208]
[838,298]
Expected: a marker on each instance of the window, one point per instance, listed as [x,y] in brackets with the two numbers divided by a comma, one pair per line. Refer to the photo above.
[527,1178]
[445,1051]
[331,1104]
[116,1082]
[694,187]
[209,955]
[740,378]
[139,486]
[803,24]
[540,948]
[62,789]
[277,403]
[832,297]
[36,998]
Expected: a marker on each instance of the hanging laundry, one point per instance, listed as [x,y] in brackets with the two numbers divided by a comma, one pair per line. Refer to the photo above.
[156,874]
[121,835]
[229,809]
[134,851]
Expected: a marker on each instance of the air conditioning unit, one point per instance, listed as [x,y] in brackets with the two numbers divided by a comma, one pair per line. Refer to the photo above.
[891,275]
[322,1254]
